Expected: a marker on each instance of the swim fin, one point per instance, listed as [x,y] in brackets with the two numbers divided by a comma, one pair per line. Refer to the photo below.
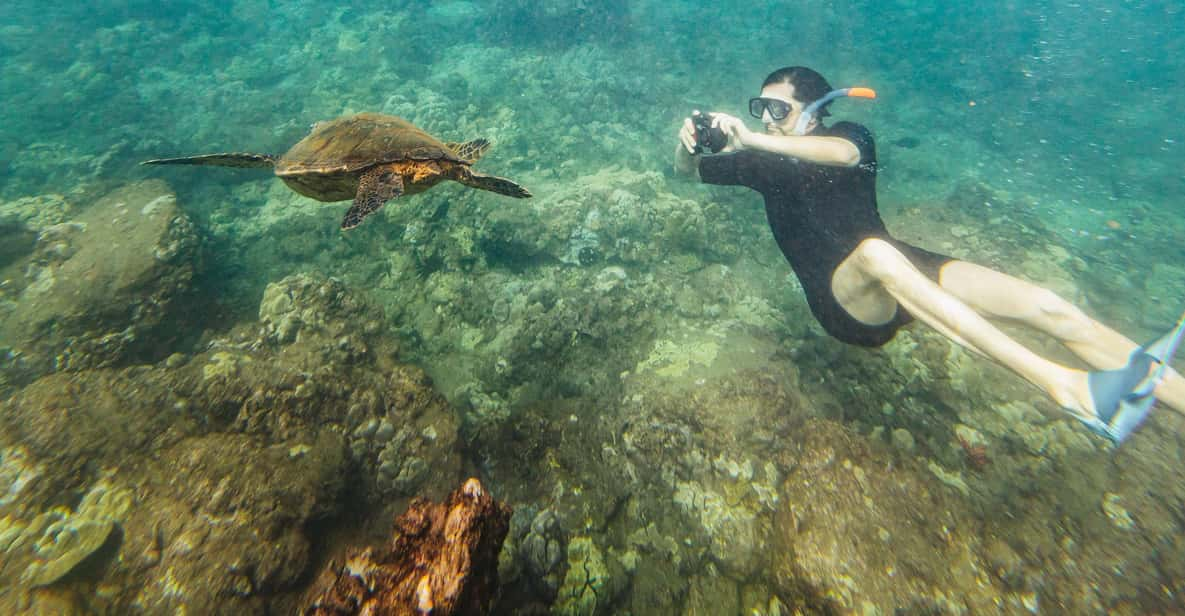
[1123,397]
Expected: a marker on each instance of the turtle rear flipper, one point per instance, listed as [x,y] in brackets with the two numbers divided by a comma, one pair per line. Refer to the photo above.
[376,187]
[502,186]
[470,151]
[229,159]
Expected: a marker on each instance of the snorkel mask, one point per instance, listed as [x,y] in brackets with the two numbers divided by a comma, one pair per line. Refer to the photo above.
[809,112]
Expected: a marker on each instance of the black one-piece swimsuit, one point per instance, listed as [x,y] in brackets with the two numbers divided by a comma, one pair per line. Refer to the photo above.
[819,214]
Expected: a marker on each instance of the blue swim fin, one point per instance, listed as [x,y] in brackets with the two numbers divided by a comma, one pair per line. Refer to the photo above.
[1123,397]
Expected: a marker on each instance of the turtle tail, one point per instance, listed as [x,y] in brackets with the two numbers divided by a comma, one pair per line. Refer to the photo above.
[470,151]
[231,159]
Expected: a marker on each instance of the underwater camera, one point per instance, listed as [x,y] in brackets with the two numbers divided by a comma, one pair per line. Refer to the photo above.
[707,137]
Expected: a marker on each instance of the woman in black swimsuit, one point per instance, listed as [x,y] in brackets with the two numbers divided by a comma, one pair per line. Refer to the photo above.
[819,185]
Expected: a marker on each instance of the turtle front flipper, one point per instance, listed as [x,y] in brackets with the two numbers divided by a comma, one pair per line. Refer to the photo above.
[229,159]
[502,186]
[376,187]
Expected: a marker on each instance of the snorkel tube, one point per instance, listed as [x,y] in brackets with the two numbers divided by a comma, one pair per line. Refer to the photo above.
[809,112]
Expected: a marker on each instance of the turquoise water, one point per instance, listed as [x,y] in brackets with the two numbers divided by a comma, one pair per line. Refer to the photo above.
[626,356]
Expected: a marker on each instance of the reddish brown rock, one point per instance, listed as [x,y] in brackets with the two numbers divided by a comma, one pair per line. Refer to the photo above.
[442,560]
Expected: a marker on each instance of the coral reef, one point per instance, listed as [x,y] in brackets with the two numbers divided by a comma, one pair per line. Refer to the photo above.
[535,550]
[614,215]
[560,22]
[720,488]
[442,559]
[314,414]
[740,461]
[628,358]
[401,432]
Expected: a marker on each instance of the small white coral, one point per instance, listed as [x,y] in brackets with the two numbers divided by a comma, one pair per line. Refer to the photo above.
[472,488]
[360,565]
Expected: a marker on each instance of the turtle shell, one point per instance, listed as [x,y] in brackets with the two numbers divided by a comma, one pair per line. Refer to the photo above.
[354,143]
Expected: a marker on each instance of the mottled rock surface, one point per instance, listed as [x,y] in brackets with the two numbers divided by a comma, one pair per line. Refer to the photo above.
[401,431]
[36,213]
[225,459]
[21,220]
[724,481]
[442,560]
[529,312]
[216,517]
[98,287]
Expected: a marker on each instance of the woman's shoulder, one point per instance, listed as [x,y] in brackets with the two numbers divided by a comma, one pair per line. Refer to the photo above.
[857,133]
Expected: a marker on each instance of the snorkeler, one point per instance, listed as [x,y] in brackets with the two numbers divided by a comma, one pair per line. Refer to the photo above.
[819,185]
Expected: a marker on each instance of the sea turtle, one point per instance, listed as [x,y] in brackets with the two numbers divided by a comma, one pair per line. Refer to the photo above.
[370,158]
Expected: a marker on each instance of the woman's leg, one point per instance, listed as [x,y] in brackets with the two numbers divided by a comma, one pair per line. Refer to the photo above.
[997,295]
[876,275]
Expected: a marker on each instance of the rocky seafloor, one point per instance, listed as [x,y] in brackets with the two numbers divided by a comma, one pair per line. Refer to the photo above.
[209,393]
[673,432]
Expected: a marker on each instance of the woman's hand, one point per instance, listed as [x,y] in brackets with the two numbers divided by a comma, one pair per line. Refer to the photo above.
[736,131]
[687,136]
[686,160]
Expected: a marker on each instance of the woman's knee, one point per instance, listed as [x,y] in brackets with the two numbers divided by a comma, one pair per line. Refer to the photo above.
[1061,316]
[879,258]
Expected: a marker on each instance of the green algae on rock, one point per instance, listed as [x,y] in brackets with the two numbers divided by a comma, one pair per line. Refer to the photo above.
[593,582]
[62,547]
[53,543]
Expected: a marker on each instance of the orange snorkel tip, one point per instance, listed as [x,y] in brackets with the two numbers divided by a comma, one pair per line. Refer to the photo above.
[862,92]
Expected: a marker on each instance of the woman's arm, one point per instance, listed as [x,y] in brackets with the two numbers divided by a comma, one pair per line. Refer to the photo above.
[834,151]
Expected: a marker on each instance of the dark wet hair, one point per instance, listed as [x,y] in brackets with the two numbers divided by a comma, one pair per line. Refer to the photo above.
[809,86]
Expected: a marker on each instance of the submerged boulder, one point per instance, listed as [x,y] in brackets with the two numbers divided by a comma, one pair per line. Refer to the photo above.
[98,287]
